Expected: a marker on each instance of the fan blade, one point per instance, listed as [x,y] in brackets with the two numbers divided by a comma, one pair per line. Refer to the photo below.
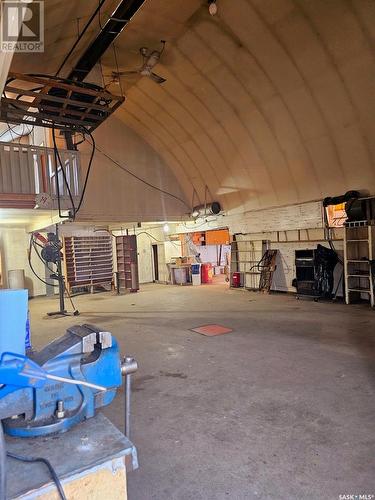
[156,78]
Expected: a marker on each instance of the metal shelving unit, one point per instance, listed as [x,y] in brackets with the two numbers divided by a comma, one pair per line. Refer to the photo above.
[358,257]
[245,254]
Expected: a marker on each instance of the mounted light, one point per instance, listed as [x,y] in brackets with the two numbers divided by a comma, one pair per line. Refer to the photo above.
[166,228]
[213,208]
[212,8]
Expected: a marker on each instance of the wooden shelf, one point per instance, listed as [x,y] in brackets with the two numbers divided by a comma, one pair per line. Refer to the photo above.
[127,262]
[88,261]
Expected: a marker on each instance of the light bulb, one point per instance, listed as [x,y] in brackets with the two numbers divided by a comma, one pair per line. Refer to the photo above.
[166,228]
[212,8]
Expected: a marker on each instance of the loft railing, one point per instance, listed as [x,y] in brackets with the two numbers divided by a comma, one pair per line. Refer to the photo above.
[26,171]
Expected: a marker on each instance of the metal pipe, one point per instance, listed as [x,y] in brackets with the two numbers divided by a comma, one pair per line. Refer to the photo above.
[128,367]
[101,2]
[125,10]
[128,388]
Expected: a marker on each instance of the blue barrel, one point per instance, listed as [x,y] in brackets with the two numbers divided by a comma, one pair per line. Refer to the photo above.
[195,269]
[13,318]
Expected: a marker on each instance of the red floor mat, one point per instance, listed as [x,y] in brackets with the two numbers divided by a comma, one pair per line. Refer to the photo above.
[211,330]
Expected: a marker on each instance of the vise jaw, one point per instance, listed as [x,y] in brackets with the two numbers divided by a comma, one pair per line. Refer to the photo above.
[83,353]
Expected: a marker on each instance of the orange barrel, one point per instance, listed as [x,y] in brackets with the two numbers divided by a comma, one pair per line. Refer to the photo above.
[206,272]
[236,280]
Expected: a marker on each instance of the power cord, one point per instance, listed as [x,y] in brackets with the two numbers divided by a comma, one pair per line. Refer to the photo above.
[4,454]
[34,245]
[52,471]
[142,180]
[85,131]
[62,168]
[31,266]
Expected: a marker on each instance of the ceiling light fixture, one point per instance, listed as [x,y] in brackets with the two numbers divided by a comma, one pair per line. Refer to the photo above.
[166,228]
[212,7]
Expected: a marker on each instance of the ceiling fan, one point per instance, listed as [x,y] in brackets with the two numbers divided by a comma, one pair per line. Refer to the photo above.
[150,60]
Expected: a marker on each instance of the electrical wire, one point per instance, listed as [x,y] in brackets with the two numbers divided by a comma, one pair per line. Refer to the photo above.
[55,273]
[94,147]
[176,245]
[31,266]
[11,130]
[101,3]
[42,260]
[167,193]
[57,157]
[46,462]
[117,69]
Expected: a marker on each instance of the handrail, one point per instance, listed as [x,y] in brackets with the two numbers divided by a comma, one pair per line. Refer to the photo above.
[30,170]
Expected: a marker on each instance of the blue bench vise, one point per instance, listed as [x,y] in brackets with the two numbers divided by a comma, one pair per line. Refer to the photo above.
[46,404]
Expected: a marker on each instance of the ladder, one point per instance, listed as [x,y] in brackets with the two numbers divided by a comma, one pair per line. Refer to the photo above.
[267,268]
[359,261]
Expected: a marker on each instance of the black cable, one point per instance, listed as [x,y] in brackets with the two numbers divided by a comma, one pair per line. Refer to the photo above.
[101,3]
[52,471]
[3,458]
[11,130]
[142,180]
[41,258]
[88,167]
[158,241]
[57,156]
[31,266]
[55,273]
[57,184]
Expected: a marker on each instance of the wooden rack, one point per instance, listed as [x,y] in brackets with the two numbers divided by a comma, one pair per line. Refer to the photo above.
[127,263]
[55,102]
[88,261]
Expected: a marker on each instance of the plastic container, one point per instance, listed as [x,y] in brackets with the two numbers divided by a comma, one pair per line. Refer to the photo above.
[196,279]
[236,280]
[13,318]
[16,279]
[206,273]
[180,276]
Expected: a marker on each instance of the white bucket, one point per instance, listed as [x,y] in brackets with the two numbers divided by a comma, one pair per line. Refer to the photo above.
[196,279]
[16,279]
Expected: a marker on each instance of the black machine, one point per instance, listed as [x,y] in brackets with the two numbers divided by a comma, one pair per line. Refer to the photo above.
[314,270]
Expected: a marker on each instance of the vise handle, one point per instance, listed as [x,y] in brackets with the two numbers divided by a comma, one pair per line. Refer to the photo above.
[20,371]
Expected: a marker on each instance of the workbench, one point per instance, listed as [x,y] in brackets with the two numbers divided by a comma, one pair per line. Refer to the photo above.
[91,460]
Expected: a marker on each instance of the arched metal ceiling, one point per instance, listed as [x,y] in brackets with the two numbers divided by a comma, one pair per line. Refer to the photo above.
[268,103]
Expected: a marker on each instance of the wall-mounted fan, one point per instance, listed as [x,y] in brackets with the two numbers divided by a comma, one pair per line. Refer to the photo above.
[150,60]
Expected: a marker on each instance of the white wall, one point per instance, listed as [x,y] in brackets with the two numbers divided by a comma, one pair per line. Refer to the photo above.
[166,251]
[210,253]
[287,228]
[14,244]
[114,195]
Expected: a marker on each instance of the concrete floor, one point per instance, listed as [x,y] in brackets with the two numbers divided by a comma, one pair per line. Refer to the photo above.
[282,408]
